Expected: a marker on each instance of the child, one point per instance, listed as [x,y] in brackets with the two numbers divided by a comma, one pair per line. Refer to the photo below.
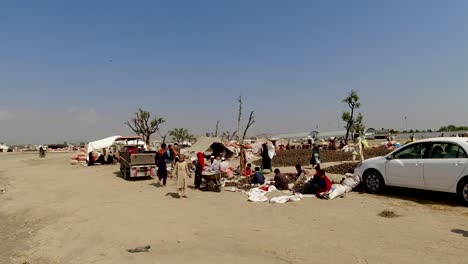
[248,171]
[181,172]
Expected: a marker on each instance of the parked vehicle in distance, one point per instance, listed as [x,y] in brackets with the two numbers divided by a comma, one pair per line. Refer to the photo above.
[134,161]
[437,164]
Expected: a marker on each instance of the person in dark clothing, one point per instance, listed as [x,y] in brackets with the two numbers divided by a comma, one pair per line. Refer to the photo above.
[281,181]
[198,174]
[42,152]
[101,159]
[266,160]
[161,158]
[315,159]
[257,177]
[110,159]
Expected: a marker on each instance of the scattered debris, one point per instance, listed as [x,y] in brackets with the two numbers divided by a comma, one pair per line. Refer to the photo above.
[388,214]
[139,249]
[2,191]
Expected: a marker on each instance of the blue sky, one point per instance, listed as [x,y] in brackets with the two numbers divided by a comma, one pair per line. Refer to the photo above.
[77,70]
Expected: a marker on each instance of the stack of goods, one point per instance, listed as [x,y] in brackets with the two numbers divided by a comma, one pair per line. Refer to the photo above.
[79,159]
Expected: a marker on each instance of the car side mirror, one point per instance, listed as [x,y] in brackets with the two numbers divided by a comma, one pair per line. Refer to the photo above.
[390,157]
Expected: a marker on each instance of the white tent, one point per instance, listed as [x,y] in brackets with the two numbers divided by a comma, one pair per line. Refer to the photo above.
[100,144]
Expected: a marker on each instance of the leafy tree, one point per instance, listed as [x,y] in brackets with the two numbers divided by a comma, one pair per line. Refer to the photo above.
[143,125]
[352,100]
[180,135]
[452,128]
[358,126]
[411,131]
[429,130]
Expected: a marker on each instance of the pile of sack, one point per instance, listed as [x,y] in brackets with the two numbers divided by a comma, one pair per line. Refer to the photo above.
[80,158]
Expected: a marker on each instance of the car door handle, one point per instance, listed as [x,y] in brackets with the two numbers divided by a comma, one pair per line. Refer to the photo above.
[418,163]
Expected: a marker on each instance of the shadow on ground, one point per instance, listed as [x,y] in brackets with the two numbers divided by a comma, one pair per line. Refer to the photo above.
[460,231]
[173,195]
[118,174]
[423,197]
[156,184]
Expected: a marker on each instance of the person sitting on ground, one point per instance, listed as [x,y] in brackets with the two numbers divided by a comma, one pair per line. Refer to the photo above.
[281,181]
[224,167]
[224,164]
[301,177]
[248,170]
[318,184]
[347,184]
[257,177]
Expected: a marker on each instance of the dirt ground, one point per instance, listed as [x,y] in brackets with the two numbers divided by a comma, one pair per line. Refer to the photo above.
[52,212]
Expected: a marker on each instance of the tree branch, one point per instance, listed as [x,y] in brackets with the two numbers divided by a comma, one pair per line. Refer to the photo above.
[249,124]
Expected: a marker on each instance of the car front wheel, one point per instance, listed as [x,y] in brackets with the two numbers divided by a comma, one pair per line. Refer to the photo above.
[373,181]
[463,191]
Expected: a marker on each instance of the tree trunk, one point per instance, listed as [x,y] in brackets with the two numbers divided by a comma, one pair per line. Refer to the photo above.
[147,140]
[348,126]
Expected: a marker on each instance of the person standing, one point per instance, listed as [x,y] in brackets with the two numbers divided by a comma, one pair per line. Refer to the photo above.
[161,158]
[266,160]
[242,158]
[357,147]
[315,159]
[198,174]
[182,173]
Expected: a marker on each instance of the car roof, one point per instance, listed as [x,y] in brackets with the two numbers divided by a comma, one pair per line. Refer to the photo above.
[460,140]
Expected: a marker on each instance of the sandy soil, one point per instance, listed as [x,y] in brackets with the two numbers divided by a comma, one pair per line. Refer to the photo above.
[52,212]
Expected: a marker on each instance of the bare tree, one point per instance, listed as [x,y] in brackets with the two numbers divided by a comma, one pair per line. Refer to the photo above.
[239,117]
[216,130]
[163,136]
[249,124]
[143,126]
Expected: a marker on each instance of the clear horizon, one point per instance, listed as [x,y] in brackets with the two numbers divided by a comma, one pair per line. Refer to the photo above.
[77,71]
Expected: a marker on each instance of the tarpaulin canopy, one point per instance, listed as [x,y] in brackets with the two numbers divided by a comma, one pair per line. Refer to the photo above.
[210,144]
[100,144]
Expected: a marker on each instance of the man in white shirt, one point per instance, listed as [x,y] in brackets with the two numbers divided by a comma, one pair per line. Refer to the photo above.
[215,166]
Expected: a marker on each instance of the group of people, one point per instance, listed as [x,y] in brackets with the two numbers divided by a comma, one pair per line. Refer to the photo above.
[316,184]
[305,183]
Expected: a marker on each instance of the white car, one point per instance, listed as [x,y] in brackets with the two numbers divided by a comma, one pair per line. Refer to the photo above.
[438,164]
